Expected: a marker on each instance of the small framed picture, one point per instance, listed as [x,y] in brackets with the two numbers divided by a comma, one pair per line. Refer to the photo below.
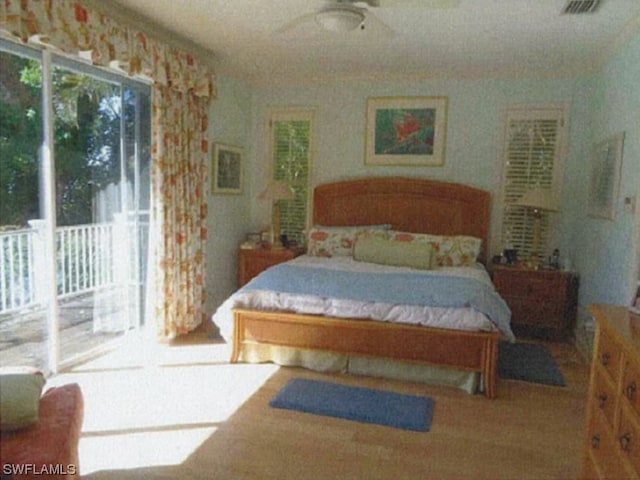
[254,237]
[251,241]
[605,177]
[226,167]
[635,304]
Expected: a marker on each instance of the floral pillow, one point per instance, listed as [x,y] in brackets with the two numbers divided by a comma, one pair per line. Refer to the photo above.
[450,251]
[339,241]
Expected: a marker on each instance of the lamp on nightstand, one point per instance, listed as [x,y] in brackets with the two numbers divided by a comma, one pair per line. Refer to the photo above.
[276,190]
[538,200]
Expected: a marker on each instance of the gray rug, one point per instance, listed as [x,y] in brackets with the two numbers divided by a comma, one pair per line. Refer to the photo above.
[529,362]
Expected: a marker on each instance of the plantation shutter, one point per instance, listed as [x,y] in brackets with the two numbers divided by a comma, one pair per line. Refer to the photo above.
[532,151]
[291,151]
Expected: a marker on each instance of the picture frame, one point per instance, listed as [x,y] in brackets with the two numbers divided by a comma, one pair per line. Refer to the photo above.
[635,302]
[227,169]
[605,177]
[254,237]
[406,131]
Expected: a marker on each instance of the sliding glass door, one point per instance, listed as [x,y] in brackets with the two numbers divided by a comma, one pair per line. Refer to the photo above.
[23,319]
[88,218]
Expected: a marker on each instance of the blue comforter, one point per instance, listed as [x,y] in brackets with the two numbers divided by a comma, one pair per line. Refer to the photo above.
[392,288]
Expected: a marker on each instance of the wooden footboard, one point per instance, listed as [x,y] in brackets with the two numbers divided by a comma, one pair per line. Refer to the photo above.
[468,351]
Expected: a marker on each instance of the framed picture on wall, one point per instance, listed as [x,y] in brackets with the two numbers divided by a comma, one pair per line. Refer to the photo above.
[605,177]
[226,167]
[408,131]
[635,302]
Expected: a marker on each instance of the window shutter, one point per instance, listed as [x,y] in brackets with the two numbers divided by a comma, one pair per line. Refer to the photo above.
[532,149]
[291,142]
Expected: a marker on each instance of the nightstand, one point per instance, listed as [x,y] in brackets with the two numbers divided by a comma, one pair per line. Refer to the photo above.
[254,260]
[542,302]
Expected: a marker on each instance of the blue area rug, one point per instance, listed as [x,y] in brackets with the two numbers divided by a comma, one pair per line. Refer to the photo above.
[528,362]
[392,409]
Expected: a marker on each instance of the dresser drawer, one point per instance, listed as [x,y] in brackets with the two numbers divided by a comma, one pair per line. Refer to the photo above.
[631,384]
[589,469]
[604,451]
[629,438]
[609,355]
[604,392]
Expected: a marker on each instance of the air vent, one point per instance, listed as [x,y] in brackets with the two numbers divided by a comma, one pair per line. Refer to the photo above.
[575,7]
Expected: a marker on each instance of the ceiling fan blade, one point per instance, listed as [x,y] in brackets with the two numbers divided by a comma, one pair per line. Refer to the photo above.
[429,4]
[374,24]
[296,22]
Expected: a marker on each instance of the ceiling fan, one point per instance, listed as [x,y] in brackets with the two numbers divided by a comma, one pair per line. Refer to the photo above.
[341,16]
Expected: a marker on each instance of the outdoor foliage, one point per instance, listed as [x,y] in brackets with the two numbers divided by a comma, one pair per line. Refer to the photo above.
[86,140]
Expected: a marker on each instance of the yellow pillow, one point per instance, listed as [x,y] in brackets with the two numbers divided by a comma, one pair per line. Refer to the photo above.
[399,254]
[20,391]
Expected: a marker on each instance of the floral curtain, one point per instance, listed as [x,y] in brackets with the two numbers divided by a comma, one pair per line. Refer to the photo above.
[179,185]
[182,91]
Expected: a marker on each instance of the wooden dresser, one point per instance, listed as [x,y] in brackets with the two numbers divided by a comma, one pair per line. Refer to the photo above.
[542,302]
[612,443]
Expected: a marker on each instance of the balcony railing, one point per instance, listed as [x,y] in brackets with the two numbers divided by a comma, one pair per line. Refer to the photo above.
[88,257]
[16,270]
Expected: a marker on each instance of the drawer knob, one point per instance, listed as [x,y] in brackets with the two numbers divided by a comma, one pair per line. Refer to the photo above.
[625,442]
[595,441]
[630,390]
[602,400]
[605,358]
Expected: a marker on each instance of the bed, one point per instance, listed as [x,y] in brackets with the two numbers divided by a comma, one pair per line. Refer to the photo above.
[418,206]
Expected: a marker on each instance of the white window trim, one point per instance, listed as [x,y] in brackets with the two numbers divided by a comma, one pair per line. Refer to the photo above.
[532,111]
[295,114]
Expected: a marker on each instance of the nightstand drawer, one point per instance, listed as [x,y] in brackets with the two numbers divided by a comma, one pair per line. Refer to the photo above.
[541,301]
[539,286]
[527,312]
[254,261]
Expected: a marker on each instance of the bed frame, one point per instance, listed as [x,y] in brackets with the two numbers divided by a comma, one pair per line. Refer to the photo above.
[408,204]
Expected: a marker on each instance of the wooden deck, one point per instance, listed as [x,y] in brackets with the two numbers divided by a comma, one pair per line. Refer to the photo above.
[23,335]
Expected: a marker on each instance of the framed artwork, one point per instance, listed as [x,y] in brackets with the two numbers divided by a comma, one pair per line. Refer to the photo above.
[635,302]
[407,131]
[226,167]
[605,177]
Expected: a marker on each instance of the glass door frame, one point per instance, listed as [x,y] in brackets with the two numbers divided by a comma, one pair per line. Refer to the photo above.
[51,360]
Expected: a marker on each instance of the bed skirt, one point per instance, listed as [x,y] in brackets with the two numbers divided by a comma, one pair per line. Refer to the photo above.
[321,361]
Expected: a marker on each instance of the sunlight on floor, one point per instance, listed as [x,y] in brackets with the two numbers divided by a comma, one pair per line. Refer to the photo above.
[154,405]
[140,450]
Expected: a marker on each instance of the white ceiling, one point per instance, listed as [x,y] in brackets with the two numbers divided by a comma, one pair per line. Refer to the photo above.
[265,42]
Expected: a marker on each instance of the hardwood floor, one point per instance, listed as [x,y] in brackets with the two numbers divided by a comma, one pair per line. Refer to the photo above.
[181,411]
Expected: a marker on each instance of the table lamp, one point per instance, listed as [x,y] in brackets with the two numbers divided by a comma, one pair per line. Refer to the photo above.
[274,192]
[538,200]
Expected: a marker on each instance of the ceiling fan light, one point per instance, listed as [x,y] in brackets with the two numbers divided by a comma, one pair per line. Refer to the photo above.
[339,19]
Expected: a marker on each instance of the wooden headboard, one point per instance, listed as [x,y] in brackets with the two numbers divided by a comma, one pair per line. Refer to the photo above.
[408,204]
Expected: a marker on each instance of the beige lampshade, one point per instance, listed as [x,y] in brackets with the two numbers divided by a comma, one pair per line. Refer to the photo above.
[277,190]
[540,199]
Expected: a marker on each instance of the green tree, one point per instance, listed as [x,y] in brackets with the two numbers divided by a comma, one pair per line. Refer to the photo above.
[20,134]
[86,135]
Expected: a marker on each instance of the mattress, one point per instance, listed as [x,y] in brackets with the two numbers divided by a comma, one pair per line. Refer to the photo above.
[460,298]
